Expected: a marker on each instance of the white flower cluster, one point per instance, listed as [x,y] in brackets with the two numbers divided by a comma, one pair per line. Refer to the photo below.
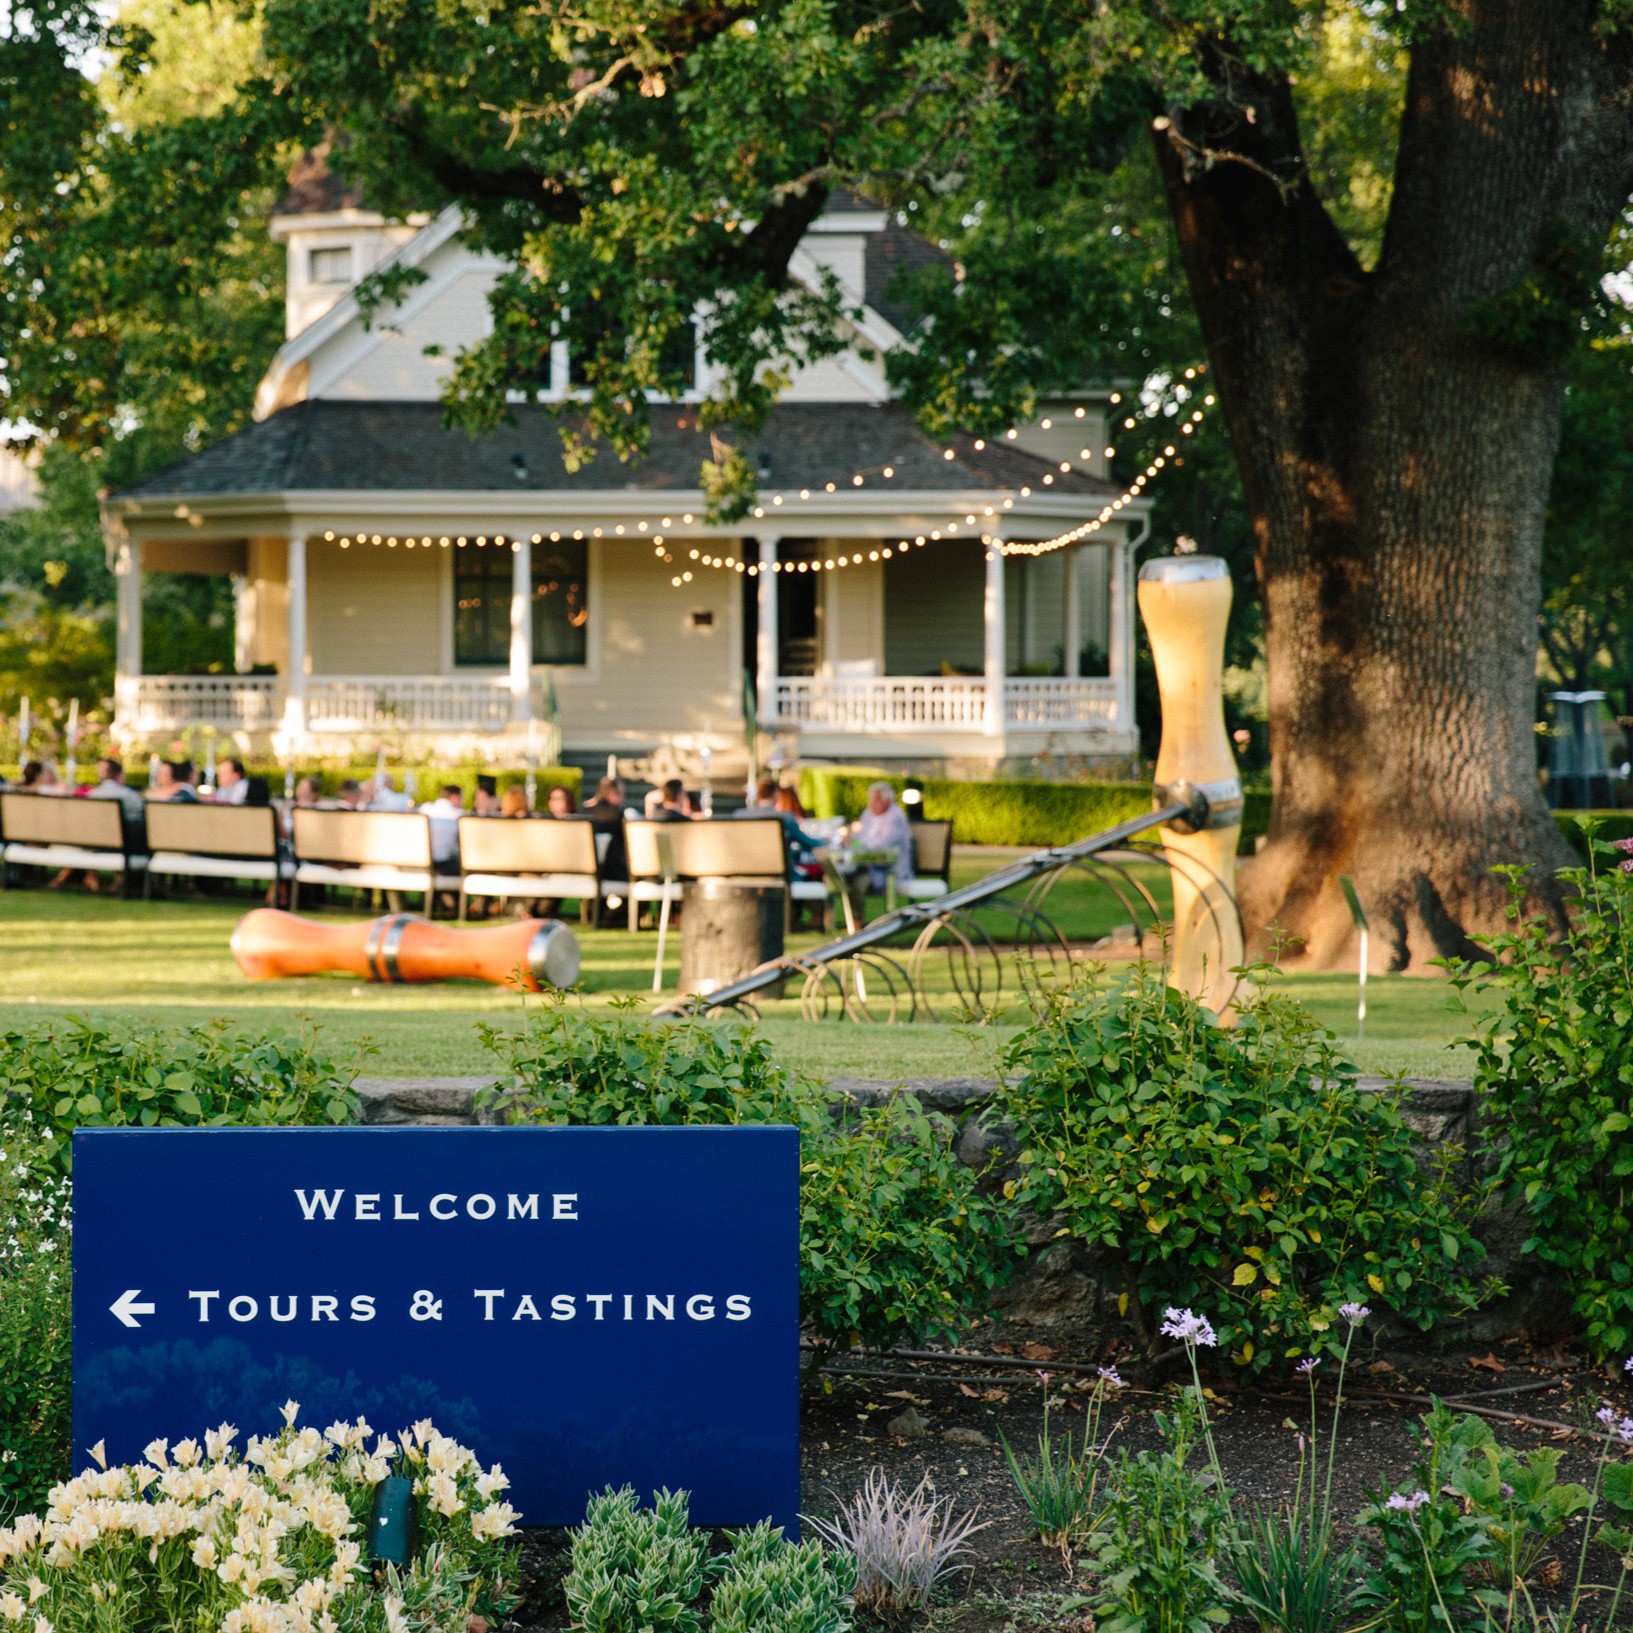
[263,1543]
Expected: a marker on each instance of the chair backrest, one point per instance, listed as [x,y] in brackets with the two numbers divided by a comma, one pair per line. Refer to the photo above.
[932,849]
[213,830]
[60,819]
[745,848]
[515,845]
[399,839]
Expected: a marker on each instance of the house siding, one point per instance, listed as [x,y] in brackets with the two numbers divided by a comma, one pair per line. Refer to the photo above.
[653,672]
[373,610]
[933,609]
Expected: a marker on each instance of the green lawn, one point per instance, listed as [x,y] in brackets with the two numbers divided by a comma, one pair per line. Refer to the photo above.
[170,961]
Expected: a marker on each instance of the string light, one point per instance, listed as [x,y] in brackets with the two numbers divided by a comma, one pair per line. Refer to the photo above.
[699,558]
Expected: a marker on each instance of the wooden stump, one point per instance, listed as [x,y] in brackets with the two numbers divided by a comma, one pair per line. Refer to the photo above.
[727,929]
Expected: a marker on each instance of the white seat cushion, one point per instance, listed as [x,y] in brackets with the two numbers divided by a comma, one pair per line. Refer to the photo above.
[374,877]
[215,867]
[923,890]
[73,856]
[808,890]
[576,885]
[653,890]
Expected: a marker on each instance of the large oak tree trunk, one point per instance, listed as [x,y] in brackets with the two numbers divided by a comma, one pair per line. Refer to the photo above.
[1396,430]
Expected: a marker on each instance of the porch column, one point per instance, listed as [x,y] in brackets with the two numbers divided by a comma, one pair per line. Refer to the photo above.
[992,612]
[1072,633]
[766,642]
[521,629]
[1121,634]
[243,623]
[294,720]
[127,568]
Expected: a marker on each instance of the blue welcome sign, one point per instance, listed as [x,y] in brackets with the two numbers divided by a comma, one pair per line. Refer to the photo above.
[586,1306]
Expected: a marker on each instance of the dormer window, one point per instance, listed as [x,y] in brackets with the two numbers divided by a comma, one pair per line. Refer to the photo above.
[330,266]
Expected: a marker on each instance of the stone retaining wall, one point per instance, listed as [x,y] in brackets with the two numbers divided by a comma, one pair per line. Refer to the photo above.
[1058,1282]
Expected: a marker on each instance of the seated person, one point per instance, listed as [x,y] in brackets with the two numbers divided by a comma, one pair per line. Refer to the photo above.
[387,796]
[231,782]
[513,803]
[559,802]
[40,777]
[352,795]
[445,811]
[486,802]
[673,804]
[306,792]
[883,826]
[606,812]
[257,793]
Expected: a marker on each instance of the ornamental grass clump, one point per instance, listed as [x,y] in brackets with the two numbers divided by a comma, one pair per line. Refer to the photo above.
[904,1543]
[1060,1483]
[1235,1169]
[269,1540]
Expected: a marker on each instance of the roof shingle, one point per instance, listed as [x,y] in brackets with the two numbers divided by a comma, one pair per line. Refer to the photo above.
[401,446]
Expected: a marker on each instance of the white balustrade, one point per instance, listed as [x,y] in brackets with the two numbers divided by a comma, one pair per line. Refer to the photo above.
[158,703]
[334,703]
[1088,703]
[343,703]
[940,703]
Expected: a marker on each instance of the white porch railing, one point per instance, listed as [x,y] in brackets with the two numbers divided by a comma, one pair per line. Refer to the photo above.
[940,703]
[1082,703]
[353,703]
[159,703]
[335,704]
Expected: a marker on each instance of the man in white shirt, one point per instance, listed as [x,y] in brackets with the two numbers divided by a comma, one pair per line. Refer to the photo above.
[386,796]
[445,811]
[231,784]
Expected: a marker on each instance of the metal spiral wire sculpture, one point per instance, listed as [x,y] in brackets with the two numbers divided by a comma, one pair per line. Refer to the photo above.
[884,972]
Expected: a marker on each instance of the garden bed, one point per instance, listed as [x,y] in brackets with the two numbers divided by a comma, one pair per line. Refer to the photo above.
[964,1405]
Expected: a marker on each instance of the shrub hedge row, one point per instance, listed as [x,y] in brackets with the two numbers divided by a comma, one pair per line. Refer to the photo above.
[1008,813]
[427,778]
[1613,825]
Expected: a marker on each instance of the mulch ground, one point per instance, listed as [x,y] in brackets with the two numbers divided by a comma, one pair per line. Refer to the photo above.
[958,1405]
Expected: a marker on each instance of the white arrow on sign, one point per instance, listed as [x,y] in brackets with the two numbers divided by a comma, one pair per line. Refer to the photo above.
[127,1309]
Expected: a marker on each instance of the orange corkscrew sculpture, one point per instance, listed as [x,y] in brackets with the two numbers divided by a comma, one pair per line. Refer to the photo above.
[532,954]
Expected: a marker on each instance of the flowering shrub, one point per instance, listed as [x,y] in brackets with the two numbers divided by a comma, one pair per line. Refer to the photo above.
[79,1072]
[35,1316]
[269,1541]
[897,1241]
[1556,1078]
[1238,1169]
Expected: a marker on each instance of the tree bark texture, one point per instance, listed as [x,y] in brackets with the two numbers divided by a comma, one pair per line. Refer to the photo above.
[1396,430]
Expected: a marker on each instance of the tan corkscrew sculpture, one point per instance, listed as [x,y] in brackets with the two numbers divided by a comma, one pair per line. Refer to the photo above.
[1185,601]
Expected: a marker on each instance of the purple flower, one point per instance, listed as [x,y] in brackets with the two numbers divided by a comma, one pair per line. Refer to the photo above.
[1108,1375]
[1353,1313]
[1627,1366]
[1188,1328]
[1403,1504]
[1309,1364]
[1044,1377]
[1607,1416]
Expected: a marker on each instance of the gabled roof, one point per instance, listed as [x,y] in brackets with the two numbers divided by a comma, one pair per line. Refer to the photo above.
[338,446]
[315,189]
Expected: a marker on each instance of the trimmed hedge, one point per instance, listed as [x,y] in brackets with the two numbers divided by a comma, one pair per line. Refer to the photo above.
[1007,813]
[427,778]
[1614,825]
